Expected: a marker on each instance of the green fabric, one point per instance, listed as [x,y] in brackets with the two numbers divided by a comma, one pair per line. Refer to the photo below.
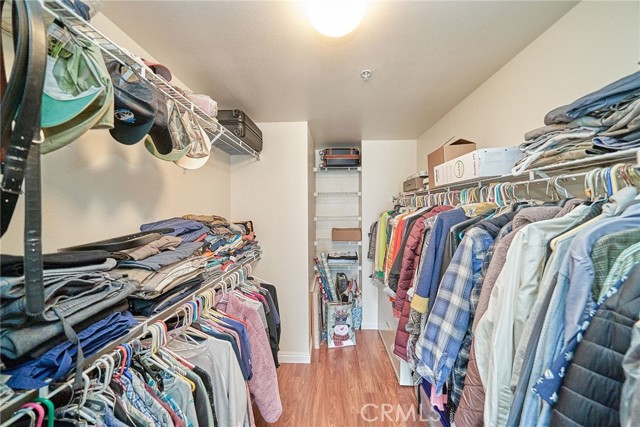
[71,84]
[623,264]
[381,240]
[98,115]
[604,254]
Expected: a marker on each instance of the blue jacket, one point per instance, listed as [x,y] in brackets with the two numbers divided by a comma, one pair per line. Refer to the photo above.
[427,287]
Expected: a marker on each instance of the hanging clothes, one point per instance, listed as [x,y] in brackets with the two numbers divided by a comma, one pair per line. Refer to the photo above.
[264,382]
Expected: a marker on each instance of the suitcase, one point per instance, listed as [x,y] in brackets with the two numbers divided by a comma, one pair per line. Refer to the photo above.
[340,157]
[242,126]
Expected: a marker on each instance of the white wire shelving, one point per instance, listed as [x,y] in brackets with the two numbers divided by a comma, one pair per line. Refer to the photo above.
[328,241]
[337,194]
[338,169]
[221,137]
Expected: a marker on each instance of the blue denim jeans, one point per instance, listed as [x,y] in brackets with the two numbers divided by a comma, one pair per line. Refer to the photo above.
[56,363]
[15,343]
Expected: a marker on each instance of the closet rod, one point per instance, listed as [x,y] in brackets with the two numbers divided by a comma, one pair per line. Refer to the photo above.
[72,21]
[138,330]
[592,162]
[548,180]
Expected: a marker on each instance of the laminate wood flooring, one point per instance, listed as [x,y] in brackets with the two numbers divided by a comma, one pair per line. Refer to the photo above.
[333,390]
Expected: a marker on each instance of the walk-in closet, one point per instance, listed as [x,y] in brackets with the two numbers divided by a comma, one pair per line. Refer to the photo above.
[318,213]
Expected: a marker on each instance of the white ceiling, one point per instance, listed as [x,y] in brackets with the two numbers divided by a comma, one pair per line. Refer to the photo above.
[263,57]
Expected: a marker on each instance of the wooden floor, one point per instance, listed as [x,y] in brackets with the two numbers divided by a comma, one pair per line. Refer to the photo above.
[339,382]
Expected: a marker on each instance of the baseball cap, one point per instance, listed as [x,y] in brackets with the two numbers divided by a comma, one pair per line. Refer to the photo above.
[159,69]
[160,135]
[200,147]
[98,111]
[134,104]
[70,84]
[177,133]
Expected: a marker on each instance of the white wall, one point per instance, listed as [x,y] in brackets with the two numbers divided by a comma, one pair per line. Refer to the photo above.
[274,194]
[96,188]
[385,165]
[592,45]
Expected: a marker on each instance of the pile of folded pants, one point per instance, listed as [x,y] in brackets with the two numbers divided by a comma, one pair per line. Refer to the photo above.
[603,121]
[195,253]
[80,289]
[92,290]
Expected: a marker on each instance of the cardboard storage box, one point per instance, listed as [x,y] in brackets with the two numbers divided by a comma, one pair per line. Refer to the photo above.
[447,151]
[480,163]
[412,184]
[346,234]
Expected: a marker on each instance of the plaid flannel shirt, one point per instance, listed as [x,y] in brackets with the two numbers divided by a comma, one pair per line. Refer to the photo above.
[449,320]
[136,394]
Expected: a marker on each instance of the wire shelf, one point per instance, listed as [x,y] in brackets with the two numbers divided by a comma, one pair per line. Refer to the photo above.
[328,241]
[221,137]
[544,172]
[9,408]
[338,218]
[338,194]
[338,169]
[343,266]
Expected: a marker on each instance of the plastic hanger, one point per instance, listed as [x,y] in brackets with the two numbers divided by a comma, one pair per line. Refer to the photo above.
[38,410]
[157,331]
[50,409]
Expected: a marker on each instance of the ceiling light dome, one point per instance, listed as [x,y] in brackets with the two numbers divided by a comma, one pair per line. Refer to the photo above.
[335,18]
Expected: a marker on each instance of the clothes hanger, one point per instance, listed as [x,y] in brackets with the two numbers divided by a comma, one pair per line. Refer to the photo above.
[601,179]
[102,380]
[592,179]
[30,412]
[121,350]
[152,357]
[612,178]
[183,331]
[50,409]
[39,412]
[560,189]
[589,184]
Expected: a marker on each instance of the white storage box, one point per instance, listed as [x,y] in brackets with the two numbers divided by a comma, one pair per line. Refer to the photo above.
[477,164]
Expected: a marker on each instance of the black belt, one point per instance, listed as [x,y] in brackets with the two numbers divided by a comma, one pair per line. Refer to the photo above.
[21,105]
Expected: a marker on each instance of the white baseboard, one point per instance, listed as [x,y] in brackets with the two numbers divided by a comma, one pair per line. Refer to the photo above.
[294,357]
[370,326]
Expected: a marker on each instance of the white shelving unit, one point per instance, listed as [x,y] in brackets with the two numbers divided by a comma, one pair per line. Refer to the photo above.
[339,194]
[328,241]
[338,205]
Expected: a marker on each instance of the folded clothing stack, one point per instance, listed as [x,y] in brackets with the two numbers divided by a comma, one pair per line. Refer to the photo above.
[78,287]
[342,258]
[604,121]
[90,288]
[82,291]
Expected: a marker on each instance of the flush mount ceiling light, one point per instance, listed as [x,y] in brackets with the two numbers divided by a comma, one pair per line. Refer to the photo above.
[335,18]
